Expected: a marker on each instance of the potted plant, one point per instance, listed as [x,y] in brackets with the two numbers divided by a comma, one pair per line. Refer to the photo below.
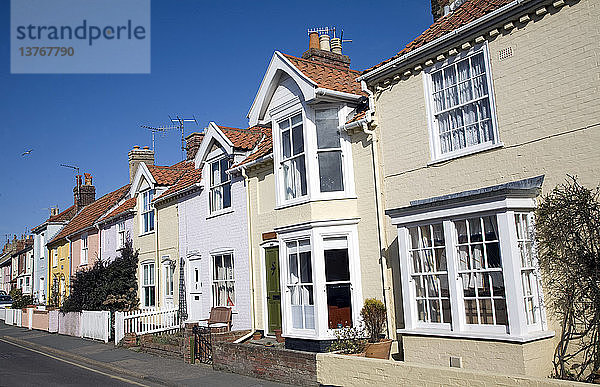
[349,341]
[374,317]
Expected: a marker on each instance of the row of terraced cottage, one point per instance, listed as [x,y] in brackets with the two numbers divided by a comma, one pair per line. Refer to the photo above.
[412,182]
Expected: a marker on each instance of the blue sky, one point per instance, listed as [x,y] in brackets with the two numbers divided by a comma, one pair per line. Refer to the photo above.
[207,61]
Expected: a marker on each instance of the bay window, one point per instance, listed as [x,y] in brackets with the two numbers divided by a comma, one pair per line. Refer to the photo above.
[148,287]
[293,157]
[329,150]
[220,185]
[223,280]
[147,211]
[470,272]
[461,105]
[300,284]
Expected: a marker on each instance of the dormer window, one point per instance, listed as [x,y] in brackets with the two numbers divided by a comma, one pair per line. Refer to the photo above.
[292,157]
[147,212]
[220,185]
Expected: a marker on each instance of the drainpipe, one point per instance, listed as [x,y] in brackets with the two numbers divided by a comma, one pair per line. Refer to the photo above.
[382,240]
[250,256]
[157,300]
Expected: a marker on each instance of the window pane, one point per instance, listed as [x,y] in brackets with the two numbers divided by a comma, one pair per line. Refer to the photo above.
[471,312]
[296,119]
[328,135]
[336,265]
[293,268]
[475,230]
[330,171]
[302,174]
[497,283]
[500,309]
[224,167]
[493,255]
[305,268]
[438,235]
[227,195]
[215,174]
[285,142]
[434,311]
[339,306]
[491,228]
[297,140]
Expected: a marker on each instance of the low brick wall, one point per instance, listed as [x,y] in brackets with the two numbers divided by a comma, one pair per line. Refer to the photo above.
[161,346]
[343,370]
[41,320]
[277,364]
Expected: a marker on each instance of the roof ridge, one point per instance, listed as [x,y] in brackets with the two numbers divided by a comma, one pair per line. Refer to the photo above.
[321,63]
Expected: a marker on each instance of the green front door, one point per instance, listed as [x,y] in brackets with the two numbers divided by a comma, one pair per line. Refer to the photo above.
[273,290]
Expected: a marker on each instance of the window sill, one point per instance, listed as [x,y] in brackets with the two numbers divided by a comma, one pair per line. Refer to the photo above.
[466,152]
[146,233]
[216,214]
[533,336]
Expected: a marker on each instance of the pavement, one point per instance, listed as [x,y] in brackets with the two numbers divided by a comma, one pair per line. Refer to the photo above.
[37,357]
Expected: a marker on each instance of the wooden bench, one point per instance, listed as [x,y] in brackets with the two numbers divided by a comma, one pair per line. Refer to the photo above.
[219,315]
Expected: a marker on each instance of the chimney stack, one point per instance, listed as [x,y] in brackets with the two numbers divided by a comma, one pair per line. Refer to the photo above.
[136,156]
[192,144]
[323,49]
[83,194]
[441,8]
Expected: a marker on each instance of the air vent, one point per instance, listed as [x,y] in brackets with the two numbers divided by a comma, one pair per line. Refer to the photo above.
[505,53]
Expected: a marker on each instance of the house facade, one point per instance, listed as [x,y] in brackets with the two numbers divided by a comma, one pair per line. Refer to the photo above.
[41,235]
[115,228]
[313,222]
[23,258]
[213,237]
[473,128]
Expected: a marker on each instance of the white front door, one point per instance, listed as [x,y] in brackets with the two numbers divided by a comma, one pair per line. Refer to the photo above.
[167,283]
[194,285]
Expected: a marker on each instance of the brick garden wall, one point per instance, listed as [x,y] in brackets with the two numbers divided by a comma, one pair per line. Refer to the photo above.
[281,365]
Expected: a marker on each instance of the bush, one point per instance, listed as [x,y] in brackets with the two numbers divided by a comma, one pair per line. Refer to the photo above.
[20,300]
[106,286]
[374,316]
[568,244]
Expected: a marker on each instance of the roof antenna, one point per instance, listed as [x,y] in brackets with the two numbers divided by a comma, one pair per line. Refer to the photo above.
[76,169]
[180,121]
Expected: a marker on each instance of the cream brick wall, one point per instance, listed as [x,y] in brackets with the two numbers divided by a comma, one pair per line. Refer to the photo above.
[343,370]
[167,227]
[544,94]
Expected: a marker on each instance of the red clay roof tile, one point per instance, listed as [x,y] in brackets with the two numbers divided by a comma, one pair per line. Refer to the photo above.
[469,11]
[329,76]
[242,138]
[127,205]
[264,147]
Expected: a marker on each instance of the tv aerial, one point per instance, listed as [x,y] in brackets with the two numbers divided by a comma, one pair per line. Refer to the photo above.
[177,123]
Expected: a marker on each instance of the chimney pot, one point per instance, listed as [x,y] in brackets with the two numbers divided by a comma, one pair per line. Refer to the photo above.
[313,40]
[87,179]
[336,45]
[324,42]
[136,147]
[146,147]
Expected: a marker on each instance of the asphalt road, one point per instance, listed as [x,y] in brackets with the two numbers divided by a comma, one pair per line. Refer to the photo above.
[20,366]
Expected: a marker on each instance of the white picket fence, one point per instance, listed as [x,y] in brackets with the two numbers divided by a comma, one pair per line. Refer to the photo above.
[95,325]
[145,321]
[2,313]
[13,317]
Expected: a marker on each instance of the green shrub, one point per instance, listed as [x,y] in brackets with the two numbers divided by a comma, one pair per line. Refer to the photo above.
[349,340]
[20,300]
[374,316]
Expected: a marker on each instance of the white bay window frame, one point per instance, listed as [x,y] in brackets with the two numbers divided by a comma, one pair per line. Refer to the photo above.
[121,235]
[311,154]
[437,155]
[147,217]
[504,209]
[321,236]
[83,259]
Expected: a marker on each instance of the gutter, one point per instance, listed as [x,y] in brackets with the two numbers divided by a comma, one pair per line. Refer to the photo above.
[262,159]
[336,94]
[163,198]
[475,23]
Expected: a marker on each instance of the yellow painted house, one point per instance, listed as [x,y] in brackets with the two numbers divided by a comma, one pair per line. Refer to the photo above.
[60,270]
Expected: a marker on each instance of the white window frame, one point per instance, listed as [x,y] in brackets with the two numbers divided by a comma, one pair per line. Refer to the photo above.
[504,209]
[147,209]
[434,138]
[84,259]
[168,278]
[55,257]
[287,285]
[282,160]
[218,187]
[121,235]
[148,281]
[311,151]
[215,282]
[318,232]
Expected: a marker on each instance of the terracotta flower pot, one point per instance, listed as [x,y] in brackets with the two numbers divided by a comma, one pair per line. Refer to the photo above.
[278,336]
[257,335]
[379,350]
